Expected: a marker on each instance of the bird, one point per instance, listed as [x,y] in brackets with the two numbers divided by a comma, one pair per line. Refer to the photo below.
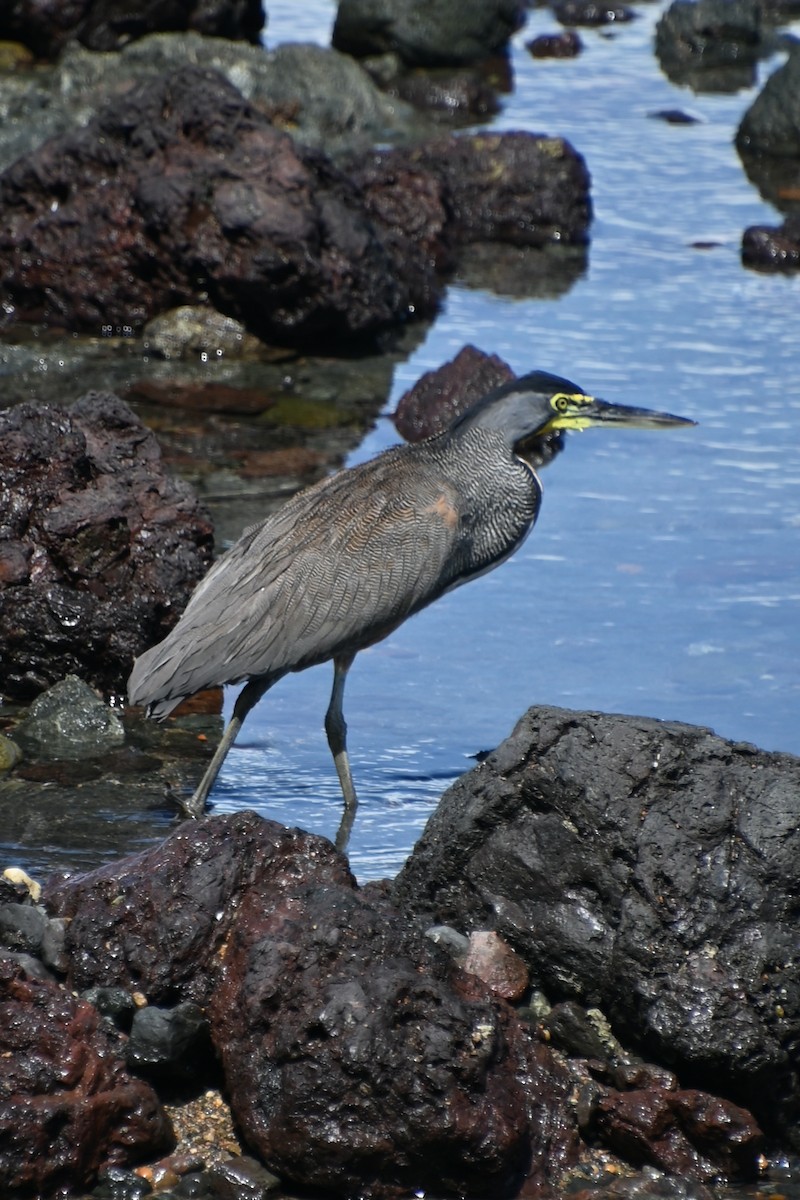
[346,561]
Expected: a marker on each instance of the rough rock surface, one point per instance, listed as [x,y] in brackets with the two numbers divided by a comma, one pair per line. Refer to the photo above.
[157,921]
[99,547]
[646,868]
[357,1056]
[198,197]
[523,188]
[322,98]
[441,395]
[361,1060]
[109,24]
[426,33]
[68,1106]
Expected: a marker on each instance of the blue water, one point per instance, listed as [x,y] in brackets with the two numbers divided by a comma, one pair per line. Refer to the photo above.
[663,577]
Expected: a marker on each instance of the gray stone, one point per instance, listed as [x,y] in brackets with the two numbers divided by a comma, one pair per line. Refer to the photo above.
[70,721]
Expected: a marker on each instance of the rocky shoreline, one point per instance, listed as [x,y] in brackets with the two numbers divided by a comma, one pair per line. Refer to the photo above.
[585,970]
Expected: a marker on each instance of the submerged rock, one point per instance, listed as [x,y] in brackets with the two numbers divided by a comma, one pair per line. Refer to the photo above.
[644,867]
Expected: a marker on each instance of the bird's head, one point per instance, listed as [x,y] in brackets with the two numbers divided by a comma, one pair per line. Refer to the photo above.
[536,405]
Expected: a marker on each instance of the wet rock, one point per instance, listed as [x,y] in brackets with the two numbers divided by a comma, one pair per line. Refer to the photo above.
[360,1061]
[22,927]
[112,545]
[426,33]
[686,1133]
[459,94]
[10,753]
[169,1043]
[767,248]
[441,395]
[194,332]
[712,45]
[643,867]
[357,1056]
[156,923]
[243,1178]
[591,12]
[768,139]
[68,1106]
[555,45]
[110,24]
[183,172]
[70,720]
[673,116]
[491,958]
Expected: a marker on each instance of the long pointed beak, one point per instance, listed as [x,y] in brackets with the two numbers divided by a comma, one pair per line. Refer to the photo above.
[600,412]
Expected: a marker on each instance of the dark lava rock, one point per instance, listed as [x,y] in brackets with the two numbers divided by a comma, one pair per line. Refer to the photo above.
[156,922]
[555,45]
[426,33]
[45,26]
[773,249]
[647,868]
[768,137]
[68,1106]
[526,189]
[99,548]
[591,12]
[198,197]
[359,1060]
[439,396]
[687,1133]
[710,44]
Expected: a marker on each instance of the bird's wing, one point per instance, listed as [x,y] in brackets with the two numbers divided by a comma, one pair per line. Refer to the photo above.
[338,567]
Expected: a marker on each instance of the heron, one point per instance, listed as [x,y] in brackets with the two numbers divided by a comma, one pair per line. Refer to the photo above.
[346,561]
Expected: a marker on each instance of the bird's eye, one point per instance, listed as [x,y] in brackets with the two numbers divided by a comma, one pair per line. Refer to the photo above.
[561,403]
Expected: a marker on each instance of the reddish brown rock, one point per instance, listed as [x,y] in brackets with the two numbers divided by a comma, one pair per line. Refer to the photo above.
[182,192]
[156,922]
[360,1060]
[439,396]
[99,547]
[686,1133]
[68,1106]
[492,960]
[526,189]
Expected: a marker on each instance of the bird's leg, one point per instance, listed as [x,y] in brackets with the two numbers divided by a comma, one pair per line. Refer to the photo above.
[336,729]
[249,696]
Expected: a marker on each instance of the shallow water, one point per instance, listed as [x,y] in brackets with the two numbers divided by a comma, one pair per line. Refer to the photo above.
[663,576]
